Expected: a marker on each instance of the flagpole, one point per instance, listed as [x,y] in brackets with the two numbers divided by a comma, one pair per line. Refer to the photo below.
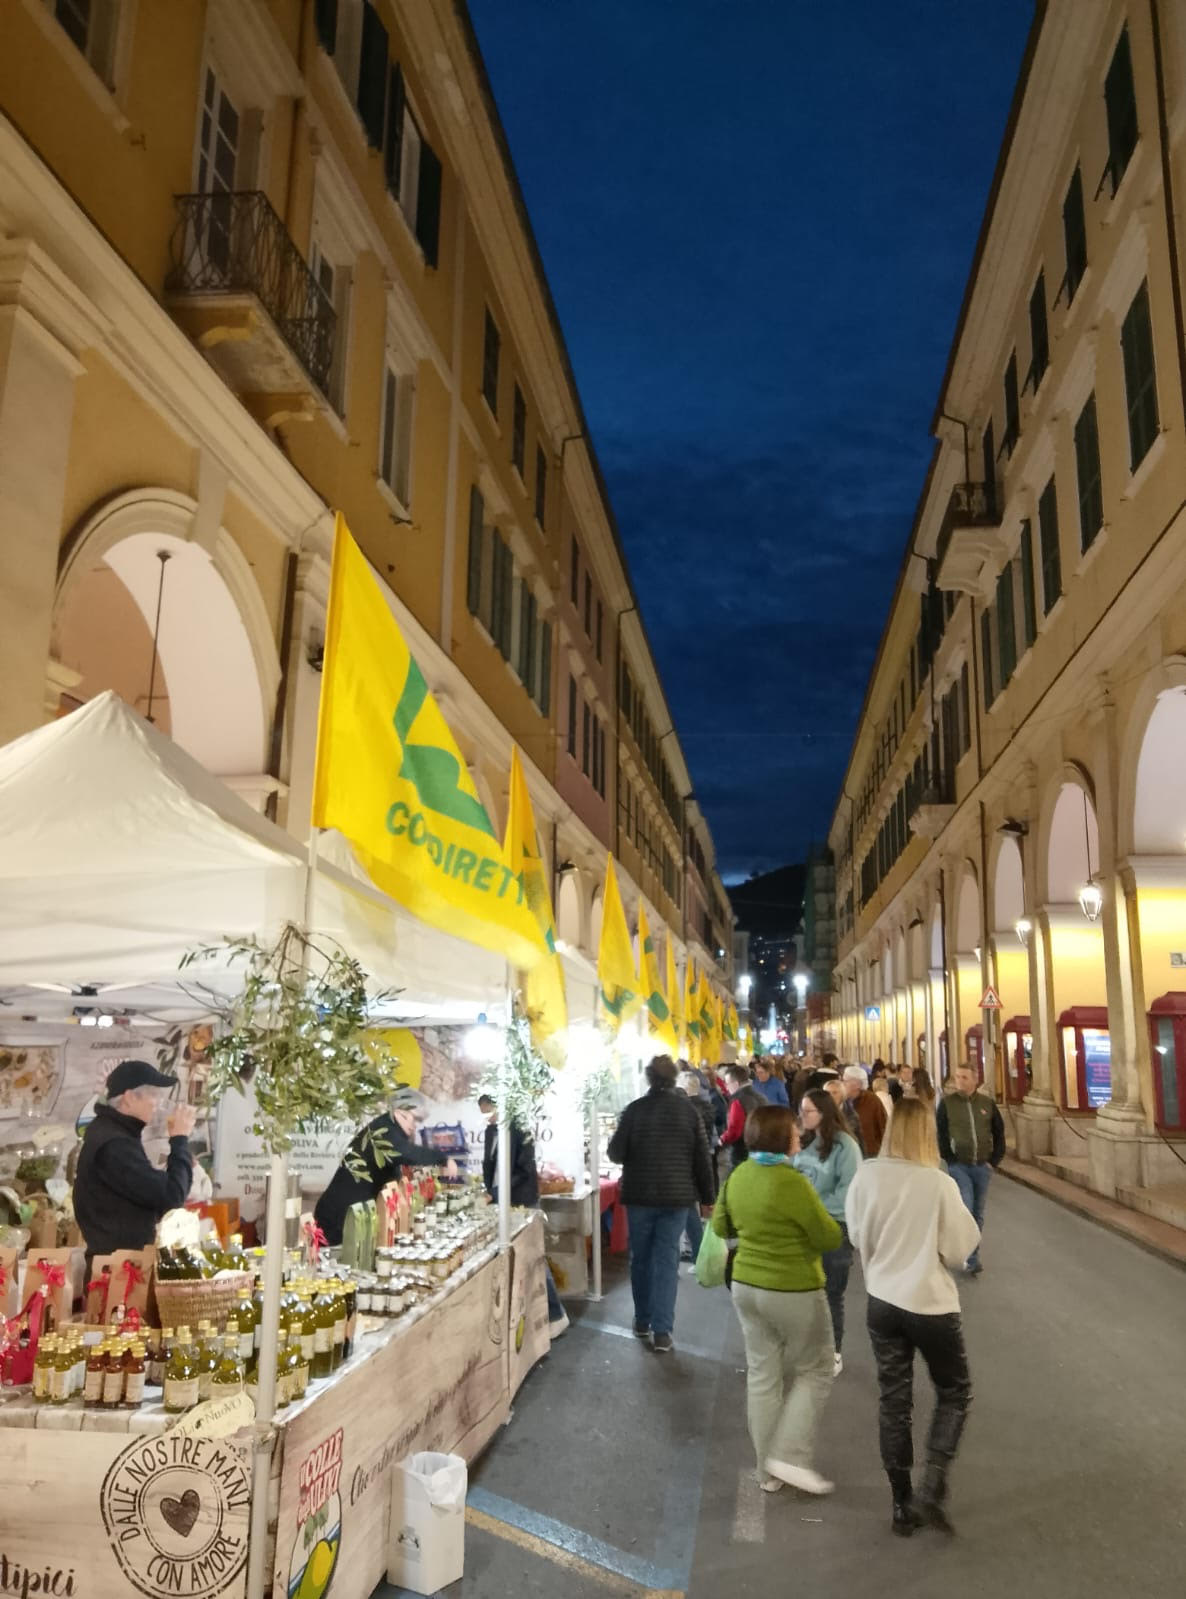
[503,1163]
[269,1333]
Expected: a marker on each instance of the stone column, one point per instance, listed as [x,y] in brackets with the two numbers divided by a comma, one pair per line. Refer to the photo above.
[1035,1117]
[45,324]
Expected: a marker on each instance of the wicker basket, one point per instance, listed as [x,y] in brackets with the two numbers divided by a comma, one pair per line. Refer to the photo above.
[556,1185]
[186,1303]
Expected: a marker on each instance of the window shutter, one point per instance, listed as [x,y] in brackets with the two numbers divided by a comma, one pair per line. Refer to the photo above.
[544,701]
[477,513]
[394,144]
[572,716]
[990,468]
[326,16]
[986,656]
[507,597]
[1048,538]
[1028,609]
[1074,228]
[1006,637]
[1120,103]
[372,76]
[428,205]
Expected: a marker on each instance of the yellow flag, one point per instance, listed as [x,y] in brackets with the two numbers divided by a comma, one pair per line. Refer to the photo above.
[692,1012]
[658,1010]
[391,778]
[618,982]
[671,989]
[731,1024]
[547,1006]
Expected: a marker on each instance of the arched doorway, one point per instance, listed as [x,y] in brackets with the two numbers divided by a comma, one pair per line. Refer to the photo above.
[1010,962]
[568,909]
[969,1046]
[212,686]
[1081,1051]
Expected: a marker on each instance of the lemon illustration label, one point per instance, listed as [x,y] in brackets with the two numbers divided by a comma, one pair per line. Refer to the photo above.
[319,1521]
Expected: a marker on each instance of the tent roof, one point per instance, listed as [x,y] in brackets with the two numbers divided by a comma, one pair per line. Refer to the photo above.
[119,852]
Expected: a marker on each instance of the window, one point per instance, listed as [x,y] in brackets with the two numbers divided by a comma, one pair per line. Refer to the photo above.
[395,431]
[1006,633]
[490,348]
[572,716]
[543,694]
[965,712]
[502,595]
[475,563]
[1140,376]
[990,471]
[330,267]
[990,693]
[371,92]
[1039,334]
[1074,232]
[574,573]
[1012,408]
[527,661]
[541,485]
[588,606]
[1120,103]
[1087,466]
[519,431]
[411,169]
[1029,619]
[217,168]
[91,26]
[587,740]
[340,33]
[1048,540]
[597,637]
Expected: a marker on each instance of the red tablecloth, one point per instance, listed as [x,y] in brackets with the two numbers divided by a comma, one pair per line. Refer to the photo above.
[619,1238]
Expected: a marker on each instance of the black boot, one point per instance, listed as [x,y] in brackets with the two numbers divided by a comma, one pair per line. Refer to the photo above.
[906,1517]
[931,1498]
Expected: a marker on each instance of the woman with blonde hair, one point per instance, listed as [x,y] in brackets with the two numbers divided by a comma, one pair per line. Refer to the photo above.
[908,1221]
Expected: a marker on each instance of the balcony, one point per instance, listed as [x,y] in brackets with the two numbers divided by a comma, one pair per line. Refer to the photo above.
[935,808]
[243,292]
[969,536]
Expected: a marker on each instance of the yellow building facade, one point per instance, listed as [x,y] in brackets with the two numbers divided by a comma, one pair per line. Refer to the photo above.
[261,260]
[1013,813]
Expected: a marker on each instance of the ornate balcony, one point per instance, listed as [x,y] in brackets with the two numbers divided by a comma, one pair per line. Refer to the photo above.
[969,536]
[242,290]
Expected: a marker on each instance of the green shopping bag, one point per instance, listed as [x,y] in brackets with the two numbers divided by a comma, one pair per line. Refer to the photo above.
[712,1259]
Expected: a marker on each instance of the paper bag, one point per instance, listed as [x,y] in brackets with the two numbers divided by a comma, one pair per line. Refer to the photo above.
[50,1271]
[118,1280]
[426,1543]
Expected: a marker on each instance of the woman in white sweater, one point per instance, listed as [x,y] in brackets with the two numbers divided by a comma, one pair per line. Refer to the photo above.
[907,1219]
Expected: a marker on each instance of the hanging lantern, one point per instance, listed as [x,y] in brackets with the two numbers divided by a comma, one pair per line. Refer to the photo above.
[1091,899]
[1023,928]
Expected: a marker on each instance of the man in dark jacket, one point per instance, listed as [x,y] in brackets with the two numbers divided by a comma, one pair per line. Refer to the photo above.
[972,1142]
[524,1176]
[119,1195]
[663,1152]
[379,1152]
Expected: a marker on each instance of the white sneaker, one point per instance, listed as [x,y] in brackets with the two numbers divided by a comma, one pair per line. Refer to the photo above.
[837,1364]
[800,1477]
[557,1328]
[769,1484]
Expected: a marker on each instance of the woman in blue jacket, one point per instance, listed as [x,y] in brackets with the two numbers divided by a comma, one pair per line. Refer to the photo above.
[830,1158]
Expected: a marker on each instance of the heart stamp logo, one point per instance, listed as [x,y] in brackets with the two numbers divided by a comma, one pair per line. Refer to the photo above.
[182,1513]
[176,1509]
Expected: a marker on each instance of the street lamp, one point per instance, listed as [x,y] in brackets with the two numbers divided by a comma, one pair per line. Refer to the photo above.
[744,985]
[1091,896]
[801,980]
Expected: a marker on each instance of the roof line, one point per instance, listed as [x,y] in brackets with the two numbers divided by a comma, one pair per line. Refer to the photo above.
[998,177]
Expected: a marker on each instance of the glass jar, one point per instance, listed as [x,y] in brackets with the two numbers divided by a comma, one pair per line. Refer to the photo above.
[384,1262]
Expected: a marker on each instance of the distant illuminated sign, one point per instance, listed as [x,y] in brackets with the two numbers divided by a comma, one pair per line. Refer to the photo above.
[872,1013]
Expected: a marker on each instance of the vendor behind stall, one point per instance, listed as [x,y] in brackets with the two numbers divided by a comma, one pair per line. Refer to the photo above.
[380,1152]
[119,1195]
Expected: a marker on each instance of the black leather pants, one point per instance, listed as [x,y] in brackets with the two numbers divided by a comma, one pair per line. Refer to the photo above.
[895,1335]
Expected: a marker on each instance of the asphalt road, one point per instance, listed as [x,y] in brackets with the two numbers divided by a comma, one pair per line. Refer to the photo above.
[622,1472]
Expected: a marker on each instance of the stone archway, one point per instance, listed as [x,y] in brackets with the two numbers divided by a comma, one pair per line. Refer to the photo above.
[217,670]
[568,910]
[1013,1025]
[1080,1044]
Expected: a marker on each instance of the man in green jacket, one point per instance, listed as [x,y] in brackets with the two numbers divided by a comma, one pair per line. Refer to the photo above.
[972,1142]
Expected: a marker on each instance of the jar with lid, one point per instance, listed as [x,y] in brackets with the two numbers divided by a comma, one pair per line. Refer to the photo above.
[384,1262]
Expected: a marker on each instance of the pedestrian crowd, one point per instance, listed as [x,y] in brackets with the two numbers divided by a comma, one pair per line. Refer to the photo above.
[800,1166]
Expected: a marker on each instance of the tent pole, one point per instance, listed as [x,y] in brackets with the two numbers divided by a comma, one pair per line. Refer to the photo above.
[503,1166]
[269,1335]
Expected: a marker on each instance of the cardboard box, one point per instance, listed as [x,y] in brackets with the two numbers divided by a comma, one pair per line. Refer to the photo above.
[426,1544]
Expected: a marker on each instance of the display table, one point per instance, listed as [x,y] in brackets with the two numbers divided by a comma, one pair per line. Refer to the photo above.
[129,1501]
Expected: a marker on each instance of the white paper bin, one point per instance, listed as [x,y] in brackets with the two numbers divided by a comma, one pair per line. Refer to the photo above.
[426,1551]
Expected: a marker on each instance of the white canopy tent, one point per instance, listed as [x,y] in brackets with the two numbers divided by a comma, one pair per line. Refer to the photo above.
[119,853]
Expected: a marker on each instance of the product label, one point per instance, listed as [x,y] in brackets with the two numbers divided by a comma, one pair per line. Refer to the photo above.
[323,1338]
[113,1386]
[40,1381]
[92,1390]
[246,1345]
[134,1388]
[59,1383]
[205,1378]
[340,1330]
[255,1338]
[180,1392]
[225,1390]
[308,1344]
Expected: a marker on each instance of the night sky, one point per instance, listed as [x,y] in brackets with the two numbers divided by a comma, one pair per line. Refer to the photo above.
[757,219]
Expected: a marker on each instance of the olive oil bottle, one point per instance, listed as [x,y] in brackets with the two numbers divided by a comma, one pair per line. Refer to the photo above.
[207,1351]
[42,1364]
[135,1367]
[96,1367]
[228,1375]
[181,1374]
[60,1372]
[113,1376]
[324,1316]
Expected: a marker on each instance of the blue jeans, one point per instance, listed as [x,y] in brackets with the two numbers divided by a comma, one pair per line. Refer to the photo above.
[694,1227]
[837,1264]
[655,1232]
[972,1182]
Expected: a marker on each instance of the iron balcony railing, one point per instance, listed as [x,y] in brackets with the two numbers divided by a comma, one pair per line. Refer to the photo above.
[970,505]
[236,244]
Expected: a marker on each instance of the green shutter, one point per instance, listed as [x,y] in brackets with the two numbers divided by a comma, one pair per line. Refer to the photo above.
[372,76]
[1074,232]
[477,515]
[544,700]
[1087,469]
[1140,377]
[1048,540]
[428,203]
[986,656]
[1029,613]
[1006,637]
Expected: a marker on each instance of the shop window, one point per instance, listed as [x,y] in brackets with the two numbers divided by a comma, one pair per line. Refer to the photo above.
[1167,1036]
[491,346]
[1087,466]
[1140,377]
[1120,104]
[1074,233]
[1086,1050]
[1048,541]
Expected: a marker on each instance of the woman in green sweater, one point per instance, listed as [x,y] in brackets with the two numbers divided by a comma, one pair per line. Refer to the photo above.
[782,1230]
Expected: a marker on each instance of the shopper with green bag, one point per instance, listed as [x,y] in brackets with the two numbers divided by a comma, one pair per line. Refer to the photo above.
[713,1259]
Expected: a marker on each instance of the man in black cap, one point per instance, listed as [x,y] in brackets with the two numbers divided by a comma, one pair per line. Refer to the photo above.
[119,1195]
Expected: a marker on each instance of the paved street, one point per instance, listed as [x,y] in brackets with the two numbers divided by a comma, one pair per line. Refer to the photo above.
[624,1472]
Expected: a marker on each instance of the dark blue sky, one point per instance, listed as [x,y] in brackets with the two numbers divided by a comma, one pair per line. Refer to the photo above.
[757,219]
